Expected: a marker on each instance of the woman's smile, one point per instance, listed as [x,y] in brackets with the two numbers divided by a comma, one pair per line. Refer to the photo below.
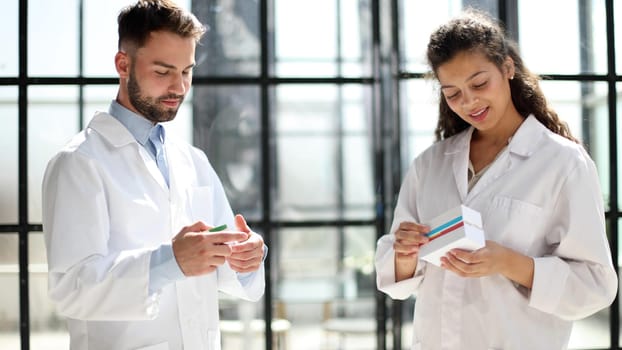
[479,115]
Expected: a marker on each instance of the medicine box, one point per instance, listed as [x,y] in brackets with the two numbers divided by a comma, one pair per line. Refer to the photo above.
[460,227]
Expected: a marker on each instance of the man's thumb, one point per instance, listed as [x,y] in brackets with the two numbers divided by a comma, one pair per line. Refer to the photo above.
[240,224]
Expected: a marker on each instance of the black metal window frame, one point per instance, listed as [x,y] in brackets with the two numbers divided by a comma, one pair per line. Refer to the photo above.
[385,79]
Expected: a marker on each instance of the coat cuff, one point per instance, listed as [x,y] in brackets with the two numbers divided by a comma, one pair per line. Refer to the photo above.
[550,275]
[163,268]
[385,273]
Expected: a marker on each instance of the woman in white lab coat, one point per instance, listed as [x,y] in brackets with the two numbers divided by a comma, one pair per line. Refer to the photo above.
[504,153]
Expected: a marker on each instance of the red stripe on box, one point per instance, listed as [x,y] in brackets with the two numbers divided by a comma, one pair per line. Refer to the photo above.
[448,230]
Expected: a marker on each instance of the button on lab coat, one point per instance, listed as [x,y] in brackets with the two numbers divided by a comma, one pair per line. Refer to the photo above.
[540,197]
[106,207]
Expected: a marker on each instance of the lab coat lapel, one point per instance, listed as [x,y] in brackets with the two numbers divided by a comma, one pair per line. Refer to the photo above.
[152,168]
[497,169]
[178,164]
[119,136]
[179,177]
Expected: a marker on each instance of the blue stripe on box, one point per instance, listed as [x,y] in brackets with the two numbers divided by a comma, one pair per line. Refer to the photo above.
[444,226]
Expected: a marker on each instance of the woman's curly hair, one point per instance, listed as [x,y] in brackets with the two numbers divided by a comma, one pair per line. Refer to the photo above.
[476,31]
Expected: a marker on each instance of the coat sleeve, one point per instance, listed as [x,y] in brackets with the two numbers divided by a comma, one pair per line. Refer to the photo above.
[405,210]
[86,280]
[578,278]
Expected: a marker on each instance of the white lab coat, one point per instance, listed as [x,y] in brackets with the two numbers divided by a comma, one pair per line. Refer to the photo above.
[106,206]
[540,197]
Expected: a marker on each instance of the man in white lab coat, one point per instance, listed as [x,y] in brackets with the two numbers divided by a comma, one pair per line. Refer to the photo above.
[127,210]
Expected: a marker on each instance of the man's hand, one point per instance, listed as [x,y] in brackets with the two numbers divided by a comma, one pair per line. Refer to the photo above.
[199,252]
[247,254]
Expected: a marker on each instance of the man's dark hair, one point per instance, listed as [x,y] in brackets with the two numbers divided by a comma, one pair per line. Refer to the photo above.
[137,21]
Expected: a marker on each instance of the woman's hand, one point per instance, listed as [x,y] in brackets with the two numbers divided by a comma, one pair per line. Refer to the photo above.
[409,237]
[489,260]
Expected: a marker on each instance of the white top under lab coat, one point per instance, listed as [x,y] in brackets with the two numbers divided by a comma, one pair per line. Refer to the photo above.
[106,207]
[540,197]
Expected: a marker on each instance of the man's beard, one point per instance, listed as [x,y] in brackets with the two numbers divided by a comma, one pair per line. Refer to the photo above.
[146,105]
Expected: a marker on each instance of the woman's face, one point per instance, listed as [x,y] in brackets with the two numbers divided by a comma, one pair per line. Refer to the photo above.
[476,89]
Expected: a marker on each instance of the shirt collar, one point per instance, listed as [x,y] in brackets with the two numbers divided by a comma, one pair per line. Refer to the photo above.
[524,141]
[138,126]
[527,138]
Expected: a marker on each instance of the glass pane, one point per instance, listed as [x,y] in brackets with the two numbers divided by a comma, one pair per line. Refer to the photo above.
[584,107]
[232,45]
[355,151]
[9,293]
[101,36]
[583,52]
[8,157]
[97,98]
[416,27]
[357,187]
[9,17]
[227,127]
[48,329]
[242,325]
[53,43]
[591,333]
[358,262]
[419,99]
[323,152]
[52,121]
[619,133]
[322,38]
[325,286]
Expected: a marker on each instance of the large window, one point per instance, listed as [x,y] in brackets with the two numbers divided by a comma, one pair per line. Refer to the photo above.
[310,112]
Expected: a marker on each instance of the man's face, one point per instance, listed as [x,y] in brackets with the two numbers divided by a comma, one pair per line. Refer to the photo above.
[160,75]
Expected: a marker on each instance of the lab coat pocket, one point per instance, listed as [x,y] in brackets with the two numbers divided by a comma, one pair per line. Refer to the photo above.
[160,346]
[201,203]
[512,222]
